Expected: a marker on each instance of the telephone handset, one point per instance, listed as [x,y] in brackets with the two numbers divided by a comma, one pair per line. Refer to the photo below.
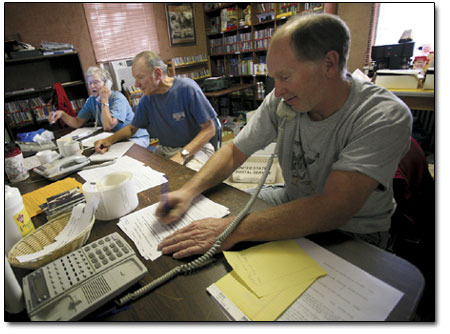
[62,167]
[284,110]
[108,83]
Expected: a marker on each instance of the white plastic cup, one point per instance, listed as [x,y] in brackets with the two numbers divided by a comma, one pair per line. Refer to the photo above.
[46,156]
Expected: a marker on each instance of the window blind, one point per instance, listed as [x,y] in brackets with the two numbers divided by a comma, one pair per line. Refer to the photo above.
[372,32]
[121,30]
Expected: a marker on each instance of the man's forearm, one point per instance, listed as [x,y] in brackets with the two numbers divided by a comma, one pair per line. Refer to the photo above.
[124,133]
[73,122]
[203,137]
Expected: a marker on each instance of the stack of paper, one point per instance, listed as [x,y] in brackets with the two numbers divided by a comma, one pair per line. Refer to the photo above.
[268,278]
[144,176]
[147,231]
[81,218]
[346,293]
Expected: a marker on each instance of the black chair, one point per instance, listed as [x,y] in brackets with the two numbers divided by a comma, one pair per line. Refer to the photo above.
[413,223]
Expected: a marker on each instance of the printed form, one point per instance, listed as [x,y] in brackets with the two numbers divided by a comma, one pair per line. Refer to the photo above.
[346,293]
[147,232]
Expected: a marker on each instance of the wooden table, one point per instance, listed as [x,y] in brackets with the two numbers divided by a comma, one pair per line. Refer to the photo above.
[184,298]
[416,99]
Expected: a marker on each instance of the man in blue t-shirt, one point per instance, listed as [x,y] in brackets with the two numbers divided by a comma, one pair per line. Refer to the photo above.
[109,109]
[173,110]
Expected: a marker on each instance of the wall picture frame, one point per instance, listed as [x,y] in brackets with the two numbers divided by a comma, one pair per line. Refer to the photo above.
[181,24]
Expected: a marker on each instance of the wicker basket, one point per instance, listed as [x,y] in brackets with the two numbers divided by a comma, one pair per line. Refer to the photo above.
[44,236]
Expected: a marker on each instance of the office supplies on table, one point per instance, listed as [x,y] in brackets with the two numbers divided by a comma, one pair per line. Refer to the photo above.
[347,293]
[60,203]
[59,236]
[117,195]
[62,167]
[84,280]
[33,199]
[41,248]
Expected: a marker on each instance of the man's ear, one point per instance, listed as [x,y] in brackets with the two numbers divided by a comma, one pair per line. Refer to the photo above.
[331,63]
[157,74]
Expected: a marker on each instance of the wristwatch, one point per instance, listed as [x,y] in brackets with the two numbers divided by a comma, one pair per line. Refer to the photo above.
[105,104]
[184,153]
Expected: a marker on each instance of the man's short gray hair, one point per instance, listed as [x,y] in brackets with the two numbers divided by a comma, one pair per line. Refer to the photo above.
[104,75]
[313,35]
[153,60]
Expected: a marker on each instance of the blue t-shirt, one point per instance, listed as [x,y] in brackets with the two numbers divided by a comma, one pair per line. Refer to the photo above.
[175,116]
[119,109]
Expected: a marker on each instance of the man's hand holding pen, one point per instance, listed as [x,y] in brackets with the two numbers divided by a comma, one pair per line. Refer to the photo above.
[102,146]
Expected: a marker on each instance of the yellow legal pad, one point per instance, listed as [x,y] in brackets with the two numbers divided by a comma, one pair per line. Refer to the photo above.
[268,278]
[33,199]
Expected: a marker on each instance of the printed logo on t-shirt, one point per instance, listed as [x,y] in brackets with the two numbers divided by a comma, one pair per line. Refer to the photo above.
[300,163]
[179,116]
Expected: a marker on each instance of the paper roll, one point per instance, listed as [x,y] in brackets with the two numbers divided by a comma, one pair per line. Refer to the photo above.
[117,194]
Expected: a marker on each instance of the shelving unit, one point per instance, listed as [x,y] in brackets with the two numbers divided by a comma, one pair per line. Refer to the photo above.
[29,87]
[196,67]
[238,35]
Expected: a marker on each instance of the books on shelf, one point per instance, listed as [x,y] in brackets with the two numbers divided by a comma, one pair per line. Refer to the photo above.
[21,112]
[189,60]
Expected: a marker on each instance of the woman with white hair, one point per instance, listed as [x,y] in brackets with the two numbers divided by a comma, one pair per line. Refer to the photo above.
[109,109]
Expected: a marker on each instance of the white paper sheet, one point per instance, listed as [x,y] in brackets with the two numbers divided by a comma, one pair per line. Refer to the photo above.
[89,142]
[147,232]
[144,176]
[347,293]
[80,133]
[115,151]
[31,162]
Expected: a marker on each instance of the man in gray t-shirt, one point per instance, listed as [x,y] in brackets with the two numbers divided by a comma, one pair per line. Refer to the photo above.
[341,145]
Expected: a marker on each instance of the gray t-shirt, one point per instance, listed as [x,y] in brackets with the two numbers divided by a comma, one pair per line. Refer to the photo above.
[370,134]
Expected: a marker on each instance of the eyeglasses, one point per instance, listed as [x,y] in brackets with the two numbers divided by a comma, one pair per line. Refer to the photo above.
[95,82]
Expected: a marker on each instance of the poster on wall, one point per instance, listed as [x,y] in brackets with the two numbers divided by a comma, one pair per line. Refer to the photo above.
[181,23]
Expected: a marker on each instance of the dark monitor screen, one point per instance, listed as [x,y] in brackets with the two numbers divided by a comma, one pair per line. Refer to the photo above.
[393,56]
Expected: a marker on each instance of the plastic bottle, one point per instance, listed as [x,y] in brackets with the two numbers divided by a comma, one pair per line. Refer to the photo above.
[14,301]
[17,221]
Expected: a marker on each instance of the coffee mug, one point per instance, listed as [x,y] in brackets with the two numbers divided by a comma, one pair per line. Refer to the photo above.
[47,156]
[72,147]
[60,142]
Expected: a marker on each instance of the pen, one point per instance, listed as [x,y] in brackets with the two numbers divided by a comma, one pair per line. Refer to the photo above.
[164,199]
